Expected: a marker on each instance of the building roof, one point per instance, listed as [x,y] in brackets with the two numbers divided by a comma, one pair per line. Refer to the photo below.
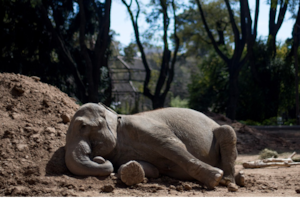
[123,73]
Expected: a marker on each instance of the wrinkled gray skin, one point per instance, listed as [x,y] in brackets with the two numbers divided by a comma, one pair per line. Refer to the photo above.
[180,143]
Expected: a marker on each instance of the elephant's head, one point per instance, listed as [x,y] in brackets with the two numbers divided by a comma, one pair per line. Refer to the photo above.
[92,133]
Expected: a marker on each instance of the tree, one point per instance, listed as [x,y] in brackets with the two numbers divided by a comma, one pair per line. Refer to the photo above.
[167,61]
[264,70]
[92,19]
[64,42]
[236,60]
[275,24]
[27,48]
[193,36]
[273,95]
[294,50]
[208,89]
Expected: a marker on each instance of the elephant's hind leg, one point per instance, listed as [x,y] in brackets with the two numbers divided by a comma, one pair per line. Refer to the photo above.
[226,140]
[134,172]
[174,150]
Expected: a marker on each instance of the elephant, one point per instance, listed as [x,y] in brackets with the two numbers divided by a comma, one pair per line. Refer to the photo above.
[177,142]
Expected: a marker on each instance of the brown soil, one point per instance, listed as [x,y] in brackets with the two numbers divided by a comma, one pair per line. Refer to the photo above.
[32,152]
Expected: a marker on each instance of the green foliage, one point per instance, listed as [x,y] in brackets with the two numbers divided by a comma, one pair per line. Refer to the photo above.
[268,89]
[209,88]
[29,46]
[264,92]
[270,122]
[130,52]
[296,159]
[250,122]
[267,153]
[290,122]
[191,31]
[178,102]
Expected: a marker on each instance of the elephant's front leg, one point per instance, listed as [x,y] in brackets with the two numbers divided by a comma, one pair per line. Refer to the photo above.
[134,172]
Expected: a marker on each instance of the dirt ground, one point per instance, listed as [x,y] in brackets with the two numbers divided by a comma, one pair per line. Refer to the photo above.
[33,123]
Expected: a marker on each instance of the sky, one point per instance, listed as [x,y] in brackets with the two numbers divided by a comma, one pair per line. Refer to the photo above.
[121,24]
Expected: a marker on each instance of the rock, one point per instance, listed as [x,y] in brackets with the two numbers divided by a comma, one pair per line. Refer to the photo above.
[19,89]
[297,191]
[240,178]
[187,187]
[15,115]
[50,130]
[172,187]
[81,188]
[22,147]
[113,176]
[179,188]
[65,117]
[107,188]
[35,78]
[232,187]
[46,103]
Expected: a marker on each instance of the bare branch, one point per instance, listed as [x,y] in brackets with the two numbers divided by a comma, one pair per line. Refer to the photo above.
[66,53]
[271,162]
[89,65]
[134,21]
[177,42]
[211,37]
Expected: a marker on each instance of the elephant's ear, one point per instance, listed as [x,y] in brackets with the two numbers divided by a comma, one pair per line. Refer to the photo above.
[111,118]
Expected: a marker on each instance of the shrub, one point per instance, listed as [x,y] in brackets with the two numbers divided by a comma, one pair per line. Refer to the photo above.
[267,153]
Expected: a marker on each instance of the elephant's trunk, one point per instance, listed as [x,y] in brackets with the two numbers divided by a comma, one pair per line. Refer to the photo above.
[79,163]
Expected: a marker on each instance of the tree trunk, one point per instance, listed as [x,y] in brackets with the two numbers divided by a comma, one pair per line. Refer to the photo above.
[167,69]
[275,24]
[295,55]
[234,63]
[158,102]
[296,42]
[233,94]
[94,64]
[71,64]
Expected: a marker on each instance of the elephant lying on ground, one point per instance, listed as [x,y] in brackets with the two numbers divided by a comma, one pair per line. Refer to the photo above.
[177,142]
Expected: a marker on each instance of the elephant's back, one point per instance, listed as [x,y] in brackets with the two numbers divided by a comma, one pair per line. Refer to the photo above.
[179,118]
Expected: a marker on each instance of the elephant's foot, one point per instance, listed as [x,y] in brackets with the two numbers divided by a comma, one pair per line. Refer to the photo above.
[131,173]
[240,178]
[214,178]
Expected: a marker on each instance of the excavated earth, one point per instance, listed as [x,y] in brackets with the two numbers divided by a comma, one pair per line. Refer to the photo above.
[33,124]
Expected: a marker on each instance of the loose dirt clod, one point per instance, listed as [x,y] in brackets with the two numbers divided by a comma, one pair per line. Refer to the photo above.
[65,117]
[107,188]
[187,187]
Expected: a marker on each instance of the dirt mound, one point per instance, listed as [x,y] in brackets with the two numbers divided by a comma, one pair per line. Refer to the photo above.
[32,129]
[34,120]
[251,140]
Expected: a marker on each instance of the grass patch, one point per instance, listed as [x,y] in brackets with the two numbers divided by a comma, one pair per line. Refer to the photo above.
[267,153]
[296,159]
